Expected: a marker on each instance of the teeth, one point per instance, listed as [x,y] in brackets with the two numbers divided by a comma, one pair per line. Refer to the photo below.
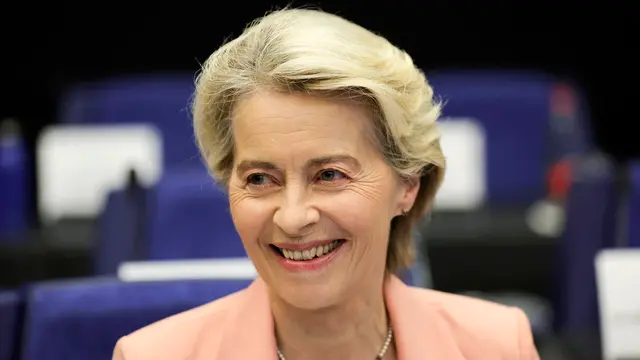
[310,253]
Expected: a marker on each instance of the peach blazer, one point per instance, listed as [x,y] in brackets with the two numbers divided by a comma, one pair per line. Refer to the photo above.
[427,325]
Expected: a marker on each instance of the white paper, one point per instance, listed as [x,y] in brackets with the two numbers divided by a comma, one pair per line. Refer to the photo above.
[618,280]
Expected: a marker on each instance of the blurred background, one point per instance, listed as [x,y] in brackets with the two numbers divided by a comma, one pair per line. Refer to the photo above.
[98,165]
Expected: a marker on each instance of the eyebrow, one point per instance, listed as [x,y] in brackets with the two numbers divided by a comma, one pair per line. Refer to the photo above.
[246,165]
[332,159]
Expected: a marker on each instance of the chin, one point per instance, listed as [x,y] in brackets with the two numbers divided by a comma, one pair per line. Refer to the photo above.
[310,296]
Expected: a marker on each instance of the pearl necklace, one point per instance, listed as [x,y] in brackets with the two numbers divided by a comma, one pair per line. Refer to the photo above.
[380,355]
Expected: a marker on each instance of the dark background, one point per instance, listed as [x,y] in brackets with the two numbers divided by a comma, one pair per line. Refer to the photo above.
[47,47]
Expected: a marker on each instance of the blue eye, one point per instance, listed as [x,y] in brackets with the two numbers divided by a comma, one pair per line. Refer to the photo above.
[258,179]
[330,175]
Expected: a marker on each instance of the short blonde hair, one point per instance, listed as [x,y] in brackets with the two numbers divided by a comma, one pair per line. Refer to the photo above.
[316,53]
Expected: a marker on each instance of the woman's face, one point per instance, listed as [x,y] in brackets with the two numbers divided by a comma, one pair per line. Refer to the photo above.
[311,196]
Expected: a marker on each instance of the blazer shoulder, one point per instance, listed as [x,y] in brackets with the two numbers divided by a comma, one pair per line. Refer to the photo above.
[174,337]
[480,325]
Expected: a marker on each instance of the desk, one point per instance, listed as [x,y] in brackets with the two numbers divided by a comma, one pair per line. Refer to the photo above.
[43,255]
[489,250]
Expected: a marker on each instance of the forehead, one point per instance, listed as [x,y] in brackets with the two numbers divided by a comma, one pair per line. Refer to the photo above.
[297,124]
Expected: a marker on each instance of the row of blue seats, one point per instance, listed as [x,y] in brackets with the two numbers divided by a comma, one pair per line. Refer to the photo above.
[82,319]
[531,121]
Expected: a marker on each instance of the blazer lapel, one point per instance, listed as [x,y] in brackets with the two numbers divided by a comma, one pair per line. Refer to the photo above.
[420,332]
[247,331]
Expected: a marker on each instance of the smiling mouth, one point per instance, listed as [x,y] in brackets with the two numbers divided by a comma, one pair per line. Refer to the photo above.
[308,254]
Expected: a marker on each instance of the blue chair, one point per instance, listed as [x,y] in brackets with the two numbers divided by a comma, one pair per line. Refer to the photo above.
[14,189]
[189,219]
[120,230]
[83,319]
[570,128]
[590,227]
[513,108]
[185,216]
[633,215]
[10,310]
[162,100]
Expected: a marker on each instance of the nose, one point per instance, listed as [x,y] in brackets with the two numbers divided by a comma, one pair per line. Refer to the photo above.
[295,215]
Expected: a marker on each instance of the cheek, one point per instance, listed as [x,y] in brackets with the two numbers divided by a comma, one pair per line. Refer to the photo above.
[250,217]
[362,217]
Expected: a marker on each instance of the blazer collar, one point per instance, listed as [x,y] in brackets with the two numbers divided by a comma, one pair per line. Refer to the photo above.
[420,332]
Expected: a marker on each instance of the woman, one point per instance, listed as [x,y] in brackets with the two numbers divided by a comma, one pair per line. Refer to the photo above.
[325,136]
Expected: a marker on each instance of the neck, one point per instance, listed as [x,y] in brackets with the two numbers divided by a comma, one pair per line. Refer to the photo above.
[354,329]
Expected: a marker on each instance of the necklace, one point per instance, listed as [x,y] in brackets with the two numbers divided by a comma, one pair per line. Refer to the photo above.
[380,355]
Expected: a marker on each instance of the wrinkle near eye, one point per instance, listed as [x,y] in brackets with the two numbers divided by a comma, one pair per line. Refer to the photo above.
[368,191]
[237,195]
[367,186]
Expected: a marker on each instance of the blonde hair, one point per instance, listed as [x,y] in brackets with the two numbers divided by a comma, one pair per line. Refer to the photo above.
[316,53]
